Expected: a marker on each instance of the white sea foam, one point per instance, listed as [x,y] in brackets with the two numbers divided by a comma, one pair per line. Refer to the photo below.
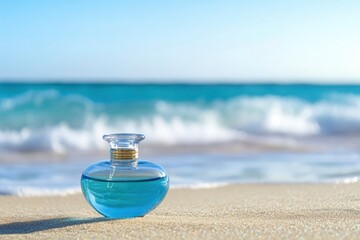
[36,192]
[349,180]
[191,171]
[200,185]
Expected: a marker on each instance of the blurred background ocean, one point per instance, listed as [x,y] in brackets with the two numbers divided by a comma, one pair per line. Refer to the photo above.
[229,133]
[62,118]
[225,92]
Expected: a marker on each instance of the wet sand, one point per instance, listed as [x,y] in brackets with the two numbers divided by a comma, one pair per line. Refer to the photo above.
[249,211]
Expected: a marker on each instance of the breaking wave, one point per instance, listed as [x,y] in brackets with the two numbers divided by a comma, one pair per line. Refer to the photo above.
[52,121]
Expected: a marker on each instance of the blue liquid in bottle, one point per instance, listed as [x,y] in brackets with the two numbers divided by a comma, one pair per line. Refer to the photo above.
[124,187]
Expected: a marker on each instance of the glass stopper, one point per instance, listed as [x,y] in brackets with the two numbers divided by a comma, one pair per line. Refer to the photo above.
[124,146]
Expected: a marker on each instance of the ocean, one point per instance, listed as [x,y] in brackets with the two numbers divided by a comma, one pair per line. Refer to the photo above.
[205,135]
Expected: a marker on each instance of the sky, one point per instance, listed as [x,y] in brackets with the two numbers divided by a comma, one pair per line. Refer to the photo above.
[187,40]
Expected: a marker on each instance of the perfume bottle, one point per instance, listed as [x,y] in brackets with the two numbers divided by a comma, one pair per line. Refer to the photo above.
[124,187]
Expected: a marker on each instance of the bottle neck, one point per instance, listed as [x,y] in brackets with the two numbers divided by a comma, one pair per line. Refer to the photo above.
[124,156]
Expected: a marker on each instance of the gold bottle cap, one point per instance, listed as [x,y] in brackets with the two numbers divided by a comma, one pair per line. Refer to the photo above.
[123,154]
[124,146]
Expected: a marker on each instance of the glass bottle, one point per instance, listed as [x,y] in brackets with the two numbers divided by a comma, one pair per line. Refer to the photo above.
[124,187]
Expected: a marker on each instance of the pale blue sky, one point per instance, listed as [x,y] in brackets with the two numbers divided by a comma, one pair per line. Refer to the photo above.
[179,40]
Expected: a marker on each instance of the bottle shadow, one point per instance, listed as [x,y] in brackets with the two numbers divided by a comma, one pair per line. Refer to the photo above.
[45,224]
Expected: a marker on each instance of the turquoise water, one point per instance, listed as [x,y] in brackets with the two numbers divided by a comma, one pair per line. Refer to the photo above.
[48,117]
[124,199]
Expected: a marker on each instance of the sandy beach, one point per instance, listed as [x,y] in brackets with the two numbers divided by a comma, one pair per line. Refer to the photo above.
[249,211]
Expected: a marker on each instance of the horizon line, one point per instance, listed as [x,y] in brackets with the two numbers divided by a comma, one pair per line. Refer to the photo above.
[68,80]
